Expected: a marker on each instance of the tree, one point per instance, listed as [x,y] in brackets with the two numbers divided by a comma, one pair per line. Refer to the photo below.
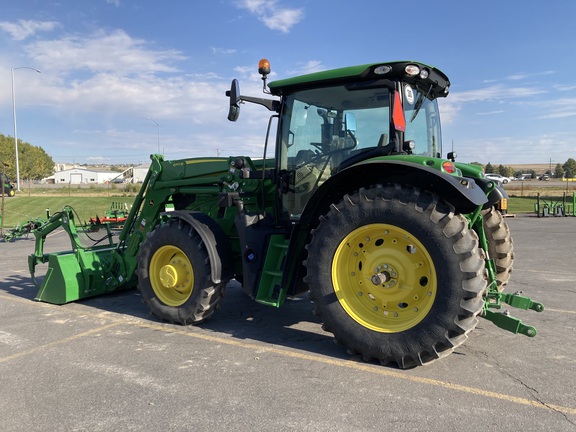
[488,168]
[570,168]
[559,171]
[34,162]
[8,155]
[505,171]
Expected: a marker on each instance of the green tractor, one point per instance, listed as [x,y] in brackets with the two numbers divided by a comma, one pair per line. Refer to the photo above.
[8,187]
[400,250]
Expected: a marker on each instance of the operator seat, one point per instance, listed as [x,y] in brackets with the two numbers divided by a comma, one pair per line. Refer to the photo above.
[383,140]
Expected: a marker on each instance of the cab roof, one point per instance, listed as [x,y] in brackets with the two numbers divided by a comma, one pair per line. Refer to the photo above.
[424,77]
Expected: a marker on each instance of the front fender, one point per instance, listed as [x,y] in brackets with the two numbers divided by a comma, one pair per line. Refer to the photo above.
[493,190]
[215,240]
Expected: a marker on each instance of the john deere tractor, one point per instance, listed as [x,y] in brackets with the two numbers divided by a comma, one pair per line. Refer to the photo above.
[400,249]
[8,187]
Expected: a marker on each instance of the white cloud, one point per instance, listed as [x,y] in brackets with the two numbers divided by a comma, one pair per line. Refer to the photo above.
[525,149]
[120,77]
[308,67]
[562,114]
[523,75]
[176,99]
[561,87]
[494,93]
[224,51]
[102,52]
[113,2]
[558,108]
[272,14]
[282,19]
[26,28]
[489,113]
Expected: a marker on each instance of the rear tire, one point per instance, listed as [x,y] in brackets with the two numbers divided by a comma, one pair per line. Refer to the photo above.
[395,275]
[174,275]
[500,245]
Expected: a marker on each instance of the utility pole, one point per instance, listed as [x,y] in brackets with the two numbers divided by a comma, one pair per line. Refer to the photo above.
[15,130]
[158,129]
[2,214]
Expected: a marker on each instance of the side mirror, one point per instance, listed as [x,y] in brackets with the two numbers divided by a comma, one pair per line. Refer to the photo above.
[234,95]
[350,127]
[350,122]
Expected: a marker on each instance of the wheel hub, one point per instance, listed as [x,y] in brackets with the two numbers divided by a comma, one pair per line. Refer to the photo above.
[385,275]
[172,275]
[168,276]
[384,278]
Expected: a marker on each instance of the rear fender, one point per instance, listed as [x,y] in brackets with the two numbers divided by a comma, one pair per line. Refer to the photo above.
[215,240]
[462,193]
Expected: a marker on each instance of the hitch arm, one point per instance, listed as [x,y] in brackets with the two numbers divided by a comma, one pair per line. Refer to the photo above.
[521,302]
[503,319]
[510,323]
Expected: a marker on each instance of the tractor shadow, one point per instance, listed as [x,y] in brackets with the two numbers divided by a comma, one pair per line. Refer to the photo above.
[18,285]
[293,325]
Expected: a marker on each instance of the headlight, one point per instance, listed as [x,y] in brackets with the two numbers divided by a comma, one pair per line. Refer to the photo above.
[412,70]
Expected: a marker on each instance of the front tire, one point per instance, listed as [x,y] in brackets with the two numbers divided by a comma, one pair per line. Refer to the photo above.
[500,245]
[395,275]
[174,275]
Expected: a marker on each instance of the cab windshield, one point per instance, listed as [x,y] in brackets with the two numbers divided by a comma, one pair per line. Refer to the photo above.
[321,128]
[422,123]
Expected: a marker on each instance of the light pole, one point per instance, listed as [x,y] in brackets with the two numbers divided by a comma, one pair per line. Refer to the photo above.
[158,128]
[15,131]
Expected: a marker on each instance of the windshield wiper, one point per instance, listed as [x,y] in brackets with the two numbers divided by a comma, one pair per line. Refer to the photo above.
[419,102]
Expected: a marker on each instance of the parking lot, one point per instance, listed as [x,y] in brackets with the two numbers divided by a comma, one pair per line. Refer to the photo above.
[105,364]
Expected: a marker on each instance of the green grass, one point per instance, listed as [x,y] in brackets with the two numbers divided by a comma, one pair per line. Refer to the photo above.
[22,208]
[521,204]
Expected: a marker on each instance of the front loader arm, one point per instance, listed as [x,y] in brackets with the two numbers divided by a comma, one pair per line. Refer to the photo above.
[55,222]
[84,271]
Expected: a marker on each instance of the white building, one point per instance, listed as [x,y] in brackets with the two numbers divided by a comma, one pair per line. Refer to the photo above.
[139,173]
[82,176]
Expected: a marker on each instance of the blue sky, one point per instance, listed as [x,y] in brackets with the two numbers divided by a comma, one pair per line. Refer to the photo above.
[111,70]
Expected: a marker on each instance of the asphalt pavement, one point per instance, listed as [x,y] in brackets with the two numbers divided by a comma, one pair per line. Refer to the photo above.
[105,364]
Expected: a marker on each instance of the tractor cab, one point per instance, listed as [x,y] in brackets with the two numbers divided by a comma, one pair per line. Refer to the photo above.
[329,121]
[327,129]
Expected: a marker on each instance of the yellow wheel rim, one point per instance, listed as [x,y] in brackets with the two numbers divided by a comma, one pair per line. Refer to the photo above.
[171,275]
[384,278]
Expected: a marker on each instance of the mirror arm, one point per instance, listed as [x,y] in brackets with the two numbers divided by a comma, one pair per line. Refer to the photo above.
[271,104]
